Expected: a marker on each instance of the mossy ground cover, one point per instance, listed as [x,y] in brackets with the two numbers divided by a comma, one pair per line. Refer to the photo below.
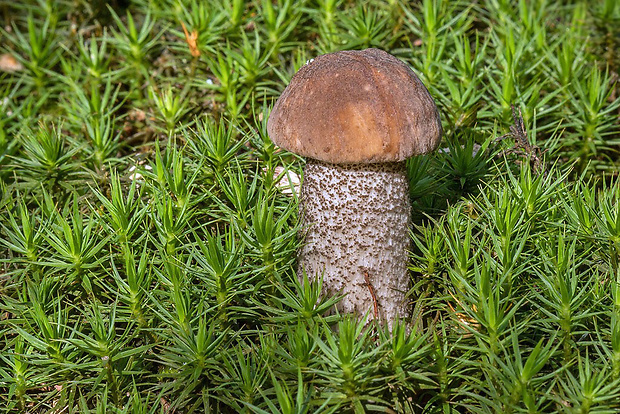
[148,226]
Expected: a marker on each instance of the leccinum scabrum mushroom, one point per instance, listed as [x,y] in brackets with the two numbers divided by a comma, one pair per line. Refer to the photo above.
[357,116]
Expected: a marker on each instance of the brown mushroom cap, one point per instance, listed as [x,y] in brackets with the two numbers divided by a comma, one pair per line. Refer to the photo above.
[361,106]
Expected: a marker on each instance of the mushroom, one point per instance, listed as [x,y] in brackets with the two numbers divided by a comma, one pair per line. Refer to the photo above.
[357,116]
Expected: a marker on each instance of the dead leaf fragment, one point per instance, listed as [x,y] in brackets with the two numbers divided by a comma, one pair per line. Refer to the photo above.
[191,39]
[136,114]
[9,64]
[287,181]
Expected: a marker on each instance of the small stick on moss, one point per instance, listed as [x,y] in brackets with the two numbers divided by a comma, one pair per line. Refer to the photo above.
[522,144]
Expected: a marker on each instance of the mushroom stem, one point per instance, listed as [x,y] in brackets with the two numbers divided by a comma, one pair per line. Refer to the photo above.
[357,218]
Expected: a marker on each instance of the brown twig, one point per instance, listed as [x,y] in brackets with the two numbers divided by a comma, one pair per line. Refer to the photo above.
[372,294]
